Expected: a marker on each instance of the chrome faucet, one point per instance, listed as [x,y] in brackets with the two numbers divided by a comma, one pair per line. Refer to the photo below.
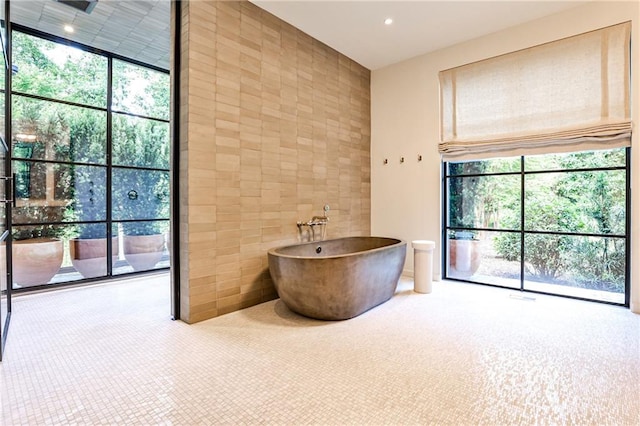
[312,224]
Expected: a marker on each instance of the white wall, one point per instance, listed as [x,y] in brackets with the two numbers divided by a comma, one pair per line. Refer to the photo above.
[406,198]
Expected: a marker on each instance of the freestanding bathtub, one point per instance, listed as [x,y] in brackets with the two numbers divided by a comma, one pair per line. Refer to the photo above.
[337,279]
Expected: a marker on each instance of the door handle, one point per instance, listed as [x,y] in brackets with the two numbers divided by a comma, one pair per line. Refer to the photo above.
[13,189]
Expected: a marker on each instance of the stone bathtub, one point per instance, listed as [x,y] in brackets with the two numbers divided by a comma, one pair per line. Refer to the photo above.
[337,279]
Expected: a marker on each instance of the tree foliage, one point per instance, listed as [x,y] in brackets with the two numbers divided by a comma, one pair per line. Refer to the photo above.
[558,205]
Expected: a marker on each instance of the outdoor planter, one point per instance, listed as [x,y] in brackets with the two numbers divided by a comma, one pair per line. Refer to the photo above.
[36,260]
[143,252]
[464,258]
[89,256]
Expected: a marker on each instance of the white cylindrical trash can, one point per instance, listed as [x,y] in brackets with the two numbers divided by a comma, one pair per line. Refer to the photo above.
[422,265]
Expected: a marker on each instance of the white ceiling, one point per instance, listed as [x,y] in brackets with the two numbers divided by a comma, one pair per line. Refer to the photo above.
[357,29]
[139,29]
[135,29]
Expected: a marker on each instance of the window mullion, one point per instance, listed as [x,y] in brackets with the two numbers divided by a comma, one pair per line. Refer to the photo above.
[522,219]
[109,214]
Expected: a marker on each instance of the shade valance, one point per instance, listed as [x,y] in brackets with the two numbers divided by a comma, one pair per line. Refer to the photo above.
[567,95]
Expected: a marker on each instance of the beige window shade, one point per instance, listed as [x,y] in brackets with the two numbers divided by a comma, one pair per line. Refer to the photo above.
[568,95]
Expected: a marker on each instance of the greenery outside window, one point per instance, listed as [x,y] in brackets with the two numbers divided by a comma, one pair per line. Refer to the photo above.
[90,150]
[554,223]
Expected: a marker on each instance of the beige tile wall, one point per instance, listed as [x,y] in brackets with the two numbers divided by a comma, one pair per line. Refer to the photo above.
[274,125]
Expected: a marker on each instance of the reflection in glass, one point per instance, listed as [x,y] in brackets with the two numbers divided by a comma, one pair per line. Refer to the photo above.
[60,71]
[140,194]
[584,202]
[485,257]
[589,267]
[48,192]
[140,142]
[484,202]
[140,91]
[46,130]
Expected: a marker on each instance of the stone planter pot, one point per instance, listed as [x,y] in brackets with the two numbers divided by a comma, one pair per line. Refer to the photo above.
[464,258]
[89,256]
[36,261]
[143,251]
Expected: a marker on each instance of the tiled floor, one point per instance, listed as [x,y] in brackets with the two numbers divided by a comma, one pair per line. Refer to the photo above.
[465,354]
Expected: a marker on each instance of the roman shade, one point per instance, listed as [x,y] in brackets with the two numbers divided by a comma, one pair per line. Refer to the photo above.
[567,95]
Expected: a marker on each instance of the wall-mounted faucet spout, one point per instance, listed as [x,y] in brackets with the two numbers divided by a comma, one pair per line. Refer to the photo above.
[312,234]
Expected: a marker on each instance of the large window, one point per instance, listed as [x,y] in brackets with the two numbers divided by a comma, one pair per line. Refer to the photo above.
[90,154]
[549,223]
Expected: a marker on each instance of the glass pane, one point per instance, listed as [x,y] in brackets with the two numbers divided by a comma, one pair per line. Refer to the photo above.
[89,201]
[58,192]
[140,194]
[4,296]
[2,74]
[140,91]
[4,190]
[57,71]
[496,165]
[50,131]
[576,160]
[586,267]
[484,202]
[3,30]
[584,202]
[488,257]
[145,246]
[4,301]
[140,142]
[2,129]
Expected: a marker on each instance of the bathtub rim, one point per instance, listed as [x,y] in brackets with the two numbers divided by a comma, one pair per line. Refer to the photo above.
[274,251]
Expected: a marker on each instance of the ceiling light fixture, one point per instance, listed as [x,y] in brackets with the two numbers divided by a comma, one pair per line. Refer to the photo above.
[388,21]
[82,5]
[68,29]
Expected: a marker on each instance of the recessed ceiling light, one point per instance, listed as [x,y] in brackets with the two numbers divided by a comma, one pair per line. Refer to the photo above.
[68,29]
[388,21]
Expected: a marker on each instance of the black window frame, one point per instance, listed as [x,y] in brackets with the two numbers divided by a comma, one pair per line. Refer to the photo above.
[108,166]
[446,229]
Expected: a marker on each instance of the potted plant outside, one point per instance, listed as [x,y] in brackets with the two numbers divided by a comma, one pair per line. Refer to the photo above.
[144,244]
[464,211]
[38,252]
[464,254]
[88,251]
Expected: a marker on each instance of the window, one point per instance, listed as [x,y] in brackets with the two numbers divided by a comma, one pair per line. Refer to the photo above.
[554,223]
[90,150]
[537,176]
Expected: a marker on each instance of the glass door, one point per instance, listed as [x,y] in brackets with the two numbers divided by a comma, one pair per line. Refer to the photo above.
[5,190]
[5,289]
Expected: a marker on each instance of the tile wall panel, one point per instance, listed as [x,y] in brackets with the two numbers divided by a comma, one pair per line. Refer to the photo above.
[274,125]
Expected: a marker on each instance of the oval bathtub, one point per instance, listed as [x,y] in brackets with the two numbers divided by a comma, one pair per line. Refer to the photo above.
[337,279]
